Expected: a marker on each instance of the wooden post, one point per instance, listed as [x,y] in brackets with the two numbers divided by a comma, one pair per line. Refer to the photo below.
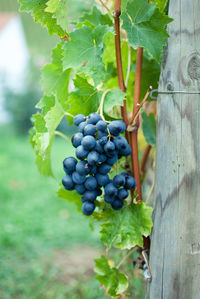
[175,242]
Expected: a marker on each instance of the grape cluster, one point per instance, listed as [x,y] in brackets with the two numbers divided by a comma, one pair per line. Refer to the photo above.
[98,147]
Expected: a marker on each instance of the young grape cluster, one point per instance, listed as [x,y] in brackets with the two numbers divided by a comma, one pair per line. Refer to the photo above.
[98,147]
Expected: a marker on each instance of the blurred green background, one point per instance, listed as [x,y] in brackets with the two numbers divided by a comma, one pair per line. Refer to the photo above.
[46,247]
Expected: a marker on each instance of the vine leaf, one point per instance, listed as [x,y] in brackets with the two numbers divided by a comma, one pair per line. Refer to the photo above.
[149,128]
[96,18]
[115,281]
[55,87]
[59,11]
[71,196]
[54,80]
[113,98]
[37,9]
[85,99]
[146,26]
[125,228]
[86,44]
[161,4]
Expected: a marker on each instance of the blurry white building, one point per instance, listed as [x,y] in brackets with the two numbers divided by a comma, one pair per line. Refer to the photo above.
[14,57]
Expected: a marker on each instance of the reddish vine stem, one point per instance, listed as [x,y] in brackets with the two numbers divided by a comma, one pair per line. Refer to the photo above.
[117,12]
[145,157]
[134,134]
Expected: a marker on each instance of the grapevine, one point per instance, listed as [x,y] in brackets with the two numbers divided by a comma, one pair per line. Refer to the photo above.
[84,83]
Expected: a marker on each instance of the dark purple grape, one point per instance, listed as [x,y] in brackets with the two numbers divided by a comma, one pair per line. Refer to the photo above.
[79,118]
[101,125]
[112,160]
[88,208]
[81,153]
[122,194]
[82,126]
[117,204]
[130,183]
[109,147]
[89,130]
[83,168]
[91,183]
[119,180]
[77,178]
[93,118]
[80,188]
[116,127]
[110,190]
[88,142]
[69,164]
[93,158]
[102,180]
[104,168]
[89,195]
[67,182]
[76,139]
[109,199]
[103,140]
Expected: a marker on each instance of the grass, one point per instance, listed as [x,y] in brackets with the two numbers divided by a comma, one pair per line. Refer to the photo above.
[36,226]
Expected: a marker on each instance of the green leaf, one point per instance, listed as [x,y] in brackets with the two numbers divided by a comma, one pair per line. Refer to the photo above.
[125,228]
[71,196]
[85,99]
[59,10]
[84,52]
[37,9]
[149,128]
[110,277]
[55,81]
[96,18]
[161,4]
[146,26]
[113,98]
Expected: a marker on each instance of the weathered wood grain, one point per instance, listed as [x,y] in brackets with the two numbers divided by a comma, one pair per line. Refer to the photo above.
[175,244]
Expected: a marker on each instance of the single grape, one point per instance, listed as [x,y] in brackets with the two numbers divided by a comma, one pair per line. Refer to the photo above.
[79,118]
[126,151]
[103,140]
[82,126]
[104,168]
[122,194]
[101,125]
[102,134]
[88,208]
[110,190]
[116,127]
[102,180]
[93,118]
[93,158]
[125,173]
[80,188]
[88,142]
[120,142]
[130,183]
[83,168]
[91,183]
[81,153]
[112,160]
[89,130]
[76,139]
[117,204]
[89,195]
[98,147]
[77,178]
[109,199]
[119,180]
[109,147]
[69,164]
[67,182]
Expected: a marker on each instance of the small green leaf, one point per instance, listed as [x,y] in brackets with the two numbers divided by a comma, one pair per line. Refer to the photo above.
[161,4]
[110,277]
[96,18]
[149,128]
[113,98]
[59,10]
[85,99]
[125,228]
[37,9]
[86,44]
[146,26]
[71,196]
